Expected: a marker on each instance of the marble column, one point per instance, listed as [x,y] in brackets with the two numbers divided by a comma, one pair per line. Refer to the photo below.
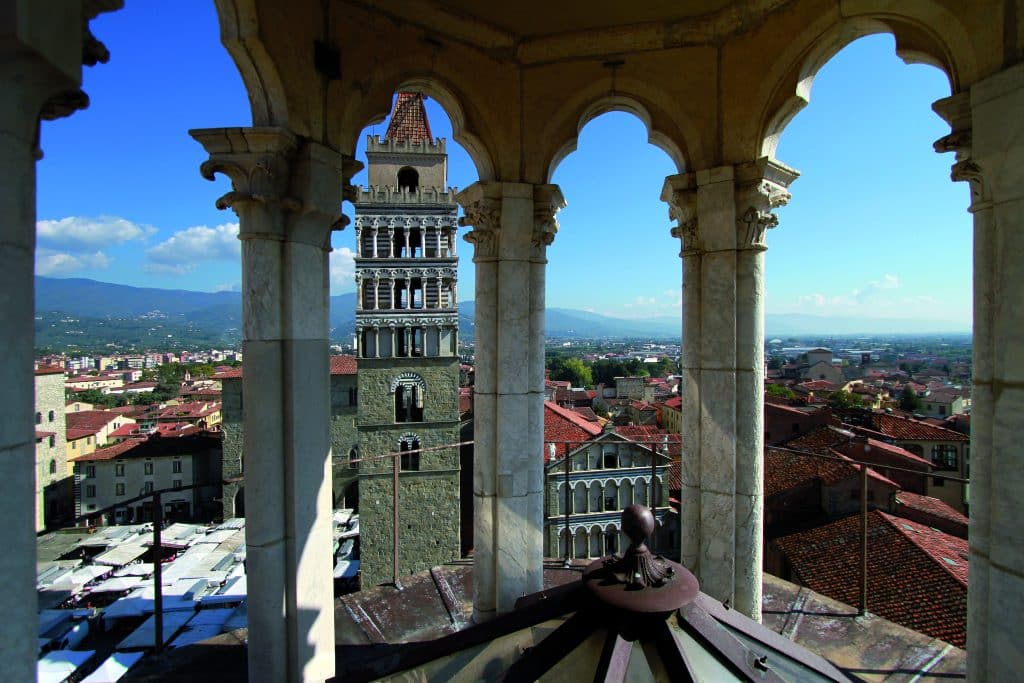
[41,72]
[723,214]
[287,193]
[988,138]
[512,225]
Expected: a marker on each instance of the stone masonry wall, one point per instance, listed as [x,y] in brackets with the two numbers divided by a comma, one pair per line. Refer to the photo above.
[344,436]
[54,491]
[429,498]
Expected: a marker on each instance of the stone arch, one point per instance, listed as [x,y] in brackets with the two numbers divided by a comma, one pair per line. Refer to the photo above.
[579,498]
[409,379]
[580,543]
[626,493]
[621,103]
[240,34]
[917,41]
[596,541]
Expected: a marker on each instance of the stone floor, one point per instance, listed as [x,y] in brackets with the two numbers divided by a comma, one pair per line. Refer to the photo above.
[437,603]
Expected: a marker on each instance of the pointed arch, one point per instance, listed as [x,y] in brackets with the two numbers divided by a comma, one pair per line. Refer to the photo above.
[240,35]
[918,41]
[628,105]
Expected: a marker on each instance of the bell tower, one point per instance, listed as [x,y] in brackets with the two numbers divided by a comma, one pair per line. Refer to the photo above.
[407,339]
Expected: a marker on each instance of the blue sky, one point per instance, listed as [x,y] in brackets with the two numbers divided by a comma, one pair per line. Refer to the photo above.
[875,227]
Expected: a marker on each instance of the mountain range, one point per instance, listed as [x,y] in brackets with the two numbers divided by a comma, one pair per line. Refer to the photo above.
[87,313]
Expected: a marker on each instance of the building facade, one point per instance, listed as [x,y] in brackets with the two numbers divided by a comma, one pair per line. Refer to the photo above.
[53,485]
[604,476]
[407,339]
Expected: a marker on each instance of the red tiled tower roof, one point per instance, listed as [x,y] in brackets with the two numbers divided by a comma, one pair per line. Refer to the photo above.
[409,119]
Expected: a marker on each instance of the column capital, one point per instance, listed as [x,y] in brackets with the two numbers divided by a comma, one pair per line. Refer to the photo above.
[481,205]
[956,111]
[680,193]
[761,186]
[300,181]
[547,202]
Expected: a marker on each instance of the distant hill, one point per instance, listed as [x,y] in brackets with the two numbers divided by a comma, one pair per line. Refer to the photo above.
[109,313]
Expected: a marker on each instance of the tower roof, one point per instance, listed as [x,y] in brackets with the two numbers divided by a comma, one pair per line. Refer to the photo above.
[409,119]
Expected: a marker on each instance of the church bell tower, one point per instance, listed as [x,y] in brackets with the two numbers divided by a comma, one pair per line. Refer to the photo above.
[407,337]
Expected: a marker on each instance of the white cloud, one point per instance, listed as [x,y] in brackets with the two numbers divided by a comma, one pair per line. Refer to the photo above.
[80,234]
[343,270]
[888,281]
[228,287]
[817,299]
[180,253]
[51,262]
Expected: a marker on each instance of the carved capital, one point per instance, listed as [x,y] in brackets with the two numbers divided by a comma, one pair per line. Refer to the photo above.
[761,186]
[481,206]
[280,184]
[547,202]
[680,193]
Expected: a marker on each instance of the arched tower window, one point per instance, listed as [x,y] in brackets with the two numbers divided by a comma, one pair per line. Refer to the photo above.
[53,467]
[353,457]
[408,179]
[409,446]
[409,389]
[39,418]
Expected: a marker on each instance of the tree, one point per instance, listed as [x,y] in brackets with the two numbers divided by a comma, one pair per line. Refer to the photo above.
[571,370]
[909,400]
[779,390]
[844,399]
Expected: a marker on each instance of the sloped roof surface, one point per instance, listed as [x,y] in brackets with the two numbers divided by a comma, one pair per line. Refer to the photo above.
[409,119]
[916,575]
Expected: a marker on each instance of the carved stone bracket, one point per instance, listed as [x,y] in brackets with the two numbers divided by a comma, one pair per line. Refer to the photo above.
[297,183]
[761,186]
[482,211]
[956,111]
[547,202]
[680,193]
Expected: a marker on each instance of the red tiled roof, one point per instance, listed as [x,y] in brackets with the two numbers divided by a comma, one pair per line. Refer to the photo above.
[587,413]
[110,452]
[675,403]
[561,425]
[343,365]
[42,435]
[675,475]
[917,576]
[89,421]
[818,385]
[932,506]
[912,430]
[49,370]
[187,410]
[409,119]
[340,365]
[652,437]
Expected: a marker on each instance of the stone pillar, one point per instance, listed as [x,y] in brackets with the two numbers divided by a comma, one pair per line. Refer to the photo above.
[988,138]
[723,214]
[43,51]
[373,248]
[287,193]
[512,225]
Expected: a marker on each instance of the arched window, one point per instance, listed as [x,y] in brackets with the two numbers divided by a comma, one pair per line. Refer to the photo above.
[39,418]
[410,449]
[408,179]
[353,457]
[53,467]
[409,389]
[53,441]
[51,416]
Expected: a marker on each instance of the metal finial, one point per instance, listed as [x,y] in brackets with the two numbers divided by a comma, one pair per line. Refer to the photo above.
[638,567]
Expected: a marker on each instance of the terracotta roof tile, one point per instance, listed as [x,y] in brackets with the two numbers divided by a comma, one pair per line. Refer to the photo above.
[409,119]
[912,430]
[562,425]
[932,506]
[916,575]
[343,365]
